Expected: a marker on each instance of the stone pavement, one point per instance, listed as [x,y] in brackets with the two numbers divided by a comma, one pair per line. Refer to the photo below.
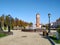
[24,38]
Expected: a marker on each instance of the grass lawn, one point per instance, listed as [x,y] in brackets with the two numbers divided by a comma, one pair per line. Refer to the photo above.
[55,39]
[2,35]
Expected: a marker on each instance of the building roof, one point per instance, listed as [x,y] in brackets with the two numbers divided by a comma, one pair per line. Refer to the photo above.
[37,14]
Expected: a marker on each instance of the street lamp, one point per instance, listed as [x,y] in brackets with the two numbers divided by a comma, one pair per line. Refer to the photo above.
[49,23]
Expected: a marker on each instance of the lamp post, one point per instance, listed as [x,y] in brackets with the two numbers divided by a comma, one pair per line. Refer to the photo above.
[49,23]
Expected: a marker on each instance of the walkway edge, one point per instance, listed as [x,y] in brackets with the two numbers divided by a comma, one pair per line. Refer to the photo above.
[52,42]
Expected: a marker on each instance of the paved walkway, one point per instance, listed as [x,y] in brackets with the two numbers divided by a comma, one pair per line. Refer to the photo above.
[24,38]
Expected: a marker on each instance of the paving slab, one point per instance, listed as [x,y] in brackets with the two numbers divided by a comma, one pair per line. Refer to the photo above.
[24,38]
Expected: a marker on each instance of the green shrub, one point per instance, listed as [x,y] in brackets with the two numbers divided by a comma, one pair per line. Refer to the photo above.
[2,34]
[55,39]
[58,30]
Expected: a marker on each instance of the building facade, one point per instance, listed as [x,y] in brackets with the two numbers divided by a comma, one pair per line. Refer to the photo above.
[55,24]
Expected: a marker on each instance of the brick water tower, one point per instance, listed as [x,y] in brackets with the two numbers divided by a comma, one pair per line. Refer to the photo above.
[38,25]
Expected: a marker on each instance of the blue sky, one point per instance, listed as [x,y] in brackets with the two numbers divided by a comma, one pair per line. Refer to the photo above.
[27,9]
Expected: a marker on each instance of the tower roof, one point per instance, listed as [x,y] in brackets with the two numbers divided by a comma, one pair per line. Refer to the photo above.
[37,14]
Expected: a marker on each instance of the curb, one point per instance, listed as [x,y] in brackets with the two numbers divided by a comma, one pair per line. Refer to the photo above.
[52,42]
